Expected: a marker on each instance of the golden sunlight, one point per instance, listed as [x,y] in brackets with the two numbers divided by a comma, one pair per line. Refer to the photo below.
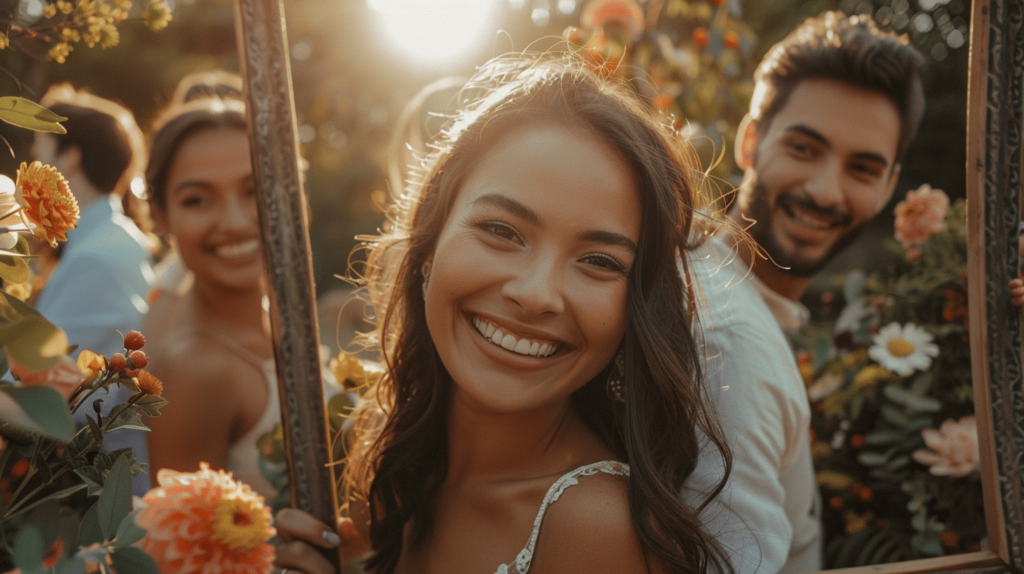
[435,33]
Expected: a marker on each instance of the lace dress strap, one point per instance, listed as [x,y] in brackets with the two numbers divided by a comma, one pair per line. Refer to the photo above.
[525,557]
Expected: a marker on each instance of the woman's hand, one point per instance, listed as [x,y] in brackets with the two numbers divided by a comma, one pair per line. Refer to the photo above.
[301,534]
[1017,291]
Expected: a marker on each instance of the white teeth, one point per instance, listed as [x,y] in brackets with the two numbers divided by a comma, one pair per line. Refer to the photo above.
[235,250]
[509,341]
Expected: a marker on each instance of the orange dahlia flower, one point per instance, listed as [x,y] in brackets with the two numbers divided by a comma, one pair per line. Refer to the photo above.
[206,523]
[47,202]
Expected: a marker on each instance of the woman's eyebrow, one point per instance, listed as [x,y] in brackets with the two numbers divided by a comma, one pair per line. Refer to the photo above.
[530,216]
[611,238]
[512,206]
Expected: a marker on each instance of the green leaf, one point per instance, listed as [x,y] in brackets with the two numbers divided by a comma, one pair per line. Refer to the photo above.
[129,418]
[14,268]
[116,499]
[871,458]
[92,478]
[131,559]
[151,404]
[882,437]
[70,565]
[128,532]
[29,548]
[897,395]
[45,407]
[35,343]
[924,404]
[30,115]
[90,532]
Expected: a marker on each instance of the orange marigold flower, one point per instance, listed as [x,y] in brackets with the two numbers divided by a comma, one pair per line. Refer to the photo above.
[205,522]
[149,384]
[47,202]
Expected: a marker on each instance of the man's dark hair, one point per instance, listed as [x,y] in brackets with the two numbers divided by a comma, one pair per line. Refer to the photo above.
[105,133]
[848,49]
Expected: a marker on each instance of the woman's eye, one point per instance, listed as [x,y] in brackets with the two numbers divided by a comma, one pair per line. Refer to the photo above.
[501,230]
[604,261]
[800,148]
[193,201]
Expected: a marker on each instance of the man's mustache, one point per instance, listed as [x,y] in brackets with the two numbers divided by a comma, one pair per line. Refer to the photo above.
[838,216]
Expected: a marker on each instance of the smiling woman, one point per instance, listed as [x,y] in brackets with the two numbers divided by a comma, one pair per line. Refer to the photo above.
[208,339]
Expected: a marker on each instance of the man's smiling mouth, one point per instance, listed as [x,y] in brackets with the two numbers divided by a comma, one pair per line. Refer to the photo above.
[507,341]
[808,214]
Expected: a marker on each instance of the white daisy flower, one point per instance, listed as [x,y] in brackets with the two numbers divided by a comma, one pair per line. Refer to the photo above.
[902,349]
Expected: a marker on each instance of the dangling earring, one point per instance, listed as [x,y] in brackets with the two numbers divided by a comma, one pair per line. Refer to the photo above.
[616,380]
[425,270]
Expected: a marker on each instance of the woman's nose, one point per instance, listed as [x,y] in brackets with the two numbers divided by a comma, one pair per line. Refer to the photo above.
[239,213]
[536,287]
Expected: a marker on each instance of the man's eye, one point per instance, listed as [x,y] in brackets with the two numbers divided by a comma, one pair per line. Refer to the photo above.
[867,170]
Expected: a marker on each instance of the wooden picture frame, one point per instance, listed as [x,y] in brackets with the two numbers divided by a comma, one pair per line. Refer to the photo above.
[995,169]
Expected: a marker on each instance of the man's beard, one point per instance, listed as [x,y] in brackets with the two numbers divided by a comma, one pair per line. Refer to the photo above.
[760,210]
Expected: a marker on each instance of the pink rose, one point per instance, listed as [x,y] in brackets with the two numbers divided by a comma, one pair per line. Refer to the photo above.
[65,376]
[954,448]
[922,213]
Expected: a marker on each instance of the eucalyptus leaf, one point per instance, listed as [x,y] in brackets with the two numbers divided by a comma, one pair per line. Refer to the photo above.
[128,532]
[116,499]
[35,343]
[14,268]
[29,548]
[46,408]
[131,559]
[70,565]
[90,532]
[30,115]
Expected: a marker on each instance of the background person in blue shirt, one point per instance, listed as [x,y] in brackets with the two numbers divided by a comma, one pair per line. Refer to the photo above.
[98,290]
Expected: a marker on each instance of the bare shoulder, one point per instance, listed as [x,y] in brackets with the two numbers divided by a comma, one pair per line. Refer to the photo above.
[589,529]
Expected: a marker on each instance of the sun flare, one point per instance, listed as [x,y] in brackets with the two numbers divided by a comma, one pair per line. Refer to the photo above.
[435,33]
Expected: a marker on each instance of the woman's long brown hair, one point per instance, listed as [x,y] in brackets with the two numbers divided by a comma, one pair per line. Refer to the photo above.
[399,459]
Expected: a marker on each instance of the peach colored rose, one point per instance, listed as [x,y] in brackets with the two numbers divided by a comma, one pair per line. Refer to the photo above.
[65,376]
[922,213]
[954,448]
